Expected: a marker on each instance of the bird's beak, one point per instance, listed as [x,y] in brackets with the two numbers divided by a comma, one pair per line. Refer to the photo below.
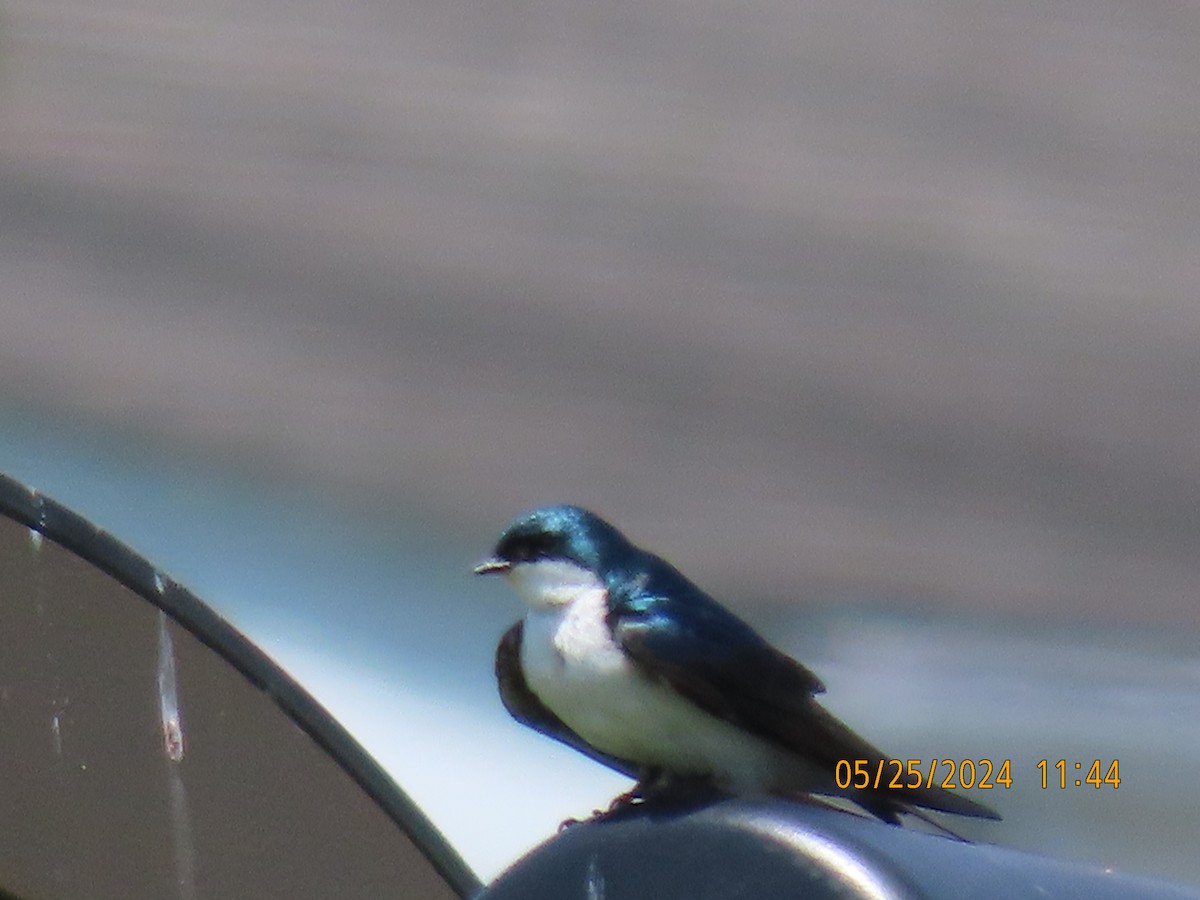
[493,566]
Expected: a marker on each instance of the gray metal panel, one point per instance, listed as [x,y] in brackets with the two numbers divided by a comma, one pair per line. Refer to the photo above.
[137,761]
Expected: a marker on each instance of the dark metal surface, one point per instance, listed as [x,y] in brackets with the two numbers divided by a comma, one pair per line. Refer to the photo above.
[744,849]
[147,749]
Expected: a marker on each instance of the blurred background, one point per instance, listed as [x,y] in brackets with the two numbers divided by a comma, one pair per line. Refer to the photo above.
[879,319]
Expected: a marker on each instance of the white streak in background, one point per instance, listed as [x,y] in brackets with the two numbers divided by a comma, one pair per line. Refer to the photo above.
[35,533]
[172,731]
[595,881]
[39,503]
[181,830]
[159,584]
[56,733]
[168,694]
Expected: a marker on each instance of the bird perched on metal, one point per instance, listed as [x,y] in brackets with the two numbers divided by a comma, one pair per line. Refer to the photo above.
[623,658]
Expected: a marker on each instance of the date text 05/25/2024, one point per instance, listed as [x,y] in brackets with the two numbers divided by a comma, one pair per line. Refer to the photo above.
[986,774]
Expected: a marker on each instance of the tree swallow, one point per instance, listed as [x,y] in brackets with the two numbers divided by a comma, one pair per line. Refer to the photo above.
[623,658]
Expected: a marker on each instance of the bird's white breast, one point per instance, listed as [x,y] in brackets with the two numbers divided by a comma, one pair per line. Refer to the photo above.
[572,663]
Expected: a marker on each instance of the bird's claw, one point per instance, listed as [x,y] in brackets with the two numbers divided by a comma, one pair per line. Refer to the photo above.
[635,796]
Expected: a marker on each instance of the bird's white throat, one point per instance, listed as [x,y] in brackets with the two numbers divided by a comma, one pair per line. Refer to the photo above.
[545,583]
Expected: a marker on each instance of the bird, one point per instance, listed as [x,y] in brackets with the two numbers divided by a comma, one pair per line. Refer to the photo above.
[621,657]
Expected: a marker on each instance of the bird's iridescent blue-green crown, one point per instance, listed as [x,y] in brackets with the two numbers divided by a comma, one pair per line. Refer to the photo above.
[569,533]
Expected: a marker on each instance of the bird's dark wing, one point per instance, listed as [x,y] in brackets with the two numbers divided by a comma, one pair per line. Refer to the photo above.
[524,706]
[676,632]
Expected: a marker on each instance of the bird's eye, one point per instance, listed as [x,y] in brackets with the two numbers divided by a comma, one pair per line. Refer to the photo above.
[528,548]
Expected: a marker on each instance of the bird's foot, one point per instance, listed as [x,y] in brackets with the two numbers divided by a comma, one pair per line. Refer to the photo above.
[657,792]
[620,804]
[665,795]
[680,792]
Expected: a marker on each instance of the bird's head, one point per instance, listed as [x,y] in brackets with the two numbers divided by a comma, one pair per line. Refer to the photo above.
[552,553]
